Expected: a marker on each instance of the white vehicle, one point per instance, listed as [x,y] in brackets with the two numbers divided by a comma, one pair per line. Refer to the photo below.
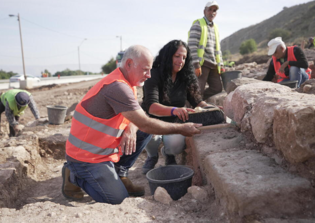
[20,77]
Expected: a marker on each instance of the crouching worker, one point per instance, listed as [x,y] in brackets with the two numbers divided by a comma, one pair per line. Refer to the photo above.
[109,130]
[287,64]
[14,102]
[164,96]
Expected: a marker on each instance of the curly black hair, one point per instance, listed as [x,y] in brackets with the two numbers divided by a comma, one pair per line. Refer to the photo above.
[164,62]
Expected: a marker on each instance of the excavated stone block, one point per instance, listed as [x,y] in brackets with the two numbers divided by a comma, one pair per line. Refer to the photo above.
[208,142]
[12,181]
[248,183]
[242,99]
[217,99]
[233,84]
[262,114]
[294,129]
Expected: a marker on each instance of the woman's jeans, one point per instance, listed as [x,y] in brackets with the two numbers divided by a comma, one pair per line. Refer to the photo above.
[100,180]
[173,144]
[298,74]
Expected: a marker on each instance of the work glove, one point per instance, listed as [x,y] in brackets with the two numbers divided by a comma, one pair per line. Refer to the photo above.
[198,72]
[18,128]
[42,120]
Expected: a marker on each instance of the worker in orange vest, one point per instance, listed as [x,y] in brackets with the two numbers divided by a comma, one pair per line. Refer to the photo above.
[287,64]
[109,130]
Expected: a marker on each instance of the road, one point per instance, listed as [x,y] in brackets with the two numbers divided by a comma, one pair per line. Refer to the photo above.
[5,84]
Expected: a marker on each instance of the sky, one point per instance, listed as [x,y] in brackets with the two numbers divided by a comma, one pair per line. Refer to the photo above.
[56,33]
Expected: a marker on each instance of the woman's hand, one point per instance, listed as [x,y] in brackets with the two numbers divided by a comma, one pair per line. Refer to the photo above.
[182,113]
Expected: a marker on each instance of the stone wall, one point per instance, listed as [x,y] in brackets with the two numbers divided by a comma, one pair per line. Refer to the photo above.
[278,117]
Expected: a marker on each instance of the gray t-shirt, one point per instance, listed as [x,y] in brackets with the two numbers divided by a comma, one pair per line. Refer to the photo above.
[111,100]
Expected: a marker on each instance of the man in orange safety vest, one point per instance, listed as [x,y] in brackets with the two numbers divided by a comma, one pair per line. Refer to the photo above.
[287,64]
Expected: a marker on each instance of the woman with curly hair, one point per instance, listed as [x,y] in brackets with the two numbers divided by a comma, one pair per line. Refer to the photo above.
[172,82]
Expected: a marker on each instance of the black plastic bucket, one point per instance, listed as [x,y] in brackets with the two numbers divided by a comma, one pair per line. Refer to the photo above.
[230,75]
[175,179]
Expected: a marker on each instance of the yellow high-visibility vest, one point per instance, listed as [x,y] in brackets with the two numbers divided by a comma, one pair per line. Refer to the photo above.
[203,42]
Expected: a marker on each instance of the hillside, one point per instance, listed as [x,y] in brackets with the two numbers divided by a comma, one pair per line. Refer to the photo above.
[299,20]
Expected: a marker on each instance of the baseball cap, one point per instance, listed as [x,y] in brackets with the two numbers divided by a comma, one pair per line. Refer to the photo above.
[22,99]
[212,3]
[272,44]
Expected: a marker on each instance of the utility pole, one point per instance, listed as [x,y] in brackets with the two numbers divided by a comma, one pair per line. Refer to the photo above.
[120,42]
[18,16]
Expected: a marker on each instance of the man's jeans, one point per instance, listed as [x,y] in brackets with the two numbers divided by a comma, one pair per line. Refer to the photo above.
[298,74]
[100,180]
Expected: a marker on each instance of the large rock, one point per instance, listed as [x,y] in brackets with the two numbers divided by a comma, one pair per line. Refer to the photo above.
[294,129]
[308,86]
[238,104]
[13,179]
[217,99]
[262,114]
[233,84]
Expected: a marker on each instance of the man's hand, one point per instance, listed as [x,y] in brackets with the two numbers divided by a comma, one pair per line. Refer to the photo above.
[42,120]
[190,129]
[198,72]
[18,128]
[128,140]
[283,66]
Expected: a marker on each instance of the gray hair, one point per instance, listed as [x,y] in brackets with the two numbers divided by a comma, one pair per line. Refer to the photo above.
[134,53]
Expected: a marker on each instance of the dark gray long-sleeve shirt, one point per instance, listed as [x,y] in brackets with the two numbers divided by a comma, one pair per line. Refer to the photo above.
[10,116]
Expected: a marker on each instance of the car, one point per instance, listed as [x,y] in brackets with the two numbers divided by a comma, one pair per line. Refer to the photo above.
[119,57]
[20,77]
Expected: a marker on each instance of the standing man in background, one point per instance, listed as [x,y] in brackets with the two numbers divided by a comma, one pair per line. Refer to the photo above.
[204,44]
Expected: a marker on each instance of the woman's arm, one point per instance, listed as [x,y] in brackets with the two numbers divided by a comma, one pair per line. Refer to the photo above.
[158,109]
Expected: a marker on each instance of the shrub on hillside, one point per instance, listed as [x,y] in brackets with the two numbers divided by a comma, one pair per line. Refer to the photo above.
[248,46]
[285,34]
[226,54]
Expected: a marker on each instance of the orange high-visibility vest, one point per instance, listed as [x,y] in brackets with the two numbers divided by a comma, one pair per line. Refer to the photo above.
[291,57]
[93,139]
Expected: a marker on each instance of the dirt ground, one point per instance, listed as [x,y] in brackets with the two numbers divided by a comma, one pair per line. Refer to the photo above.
[42,201]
